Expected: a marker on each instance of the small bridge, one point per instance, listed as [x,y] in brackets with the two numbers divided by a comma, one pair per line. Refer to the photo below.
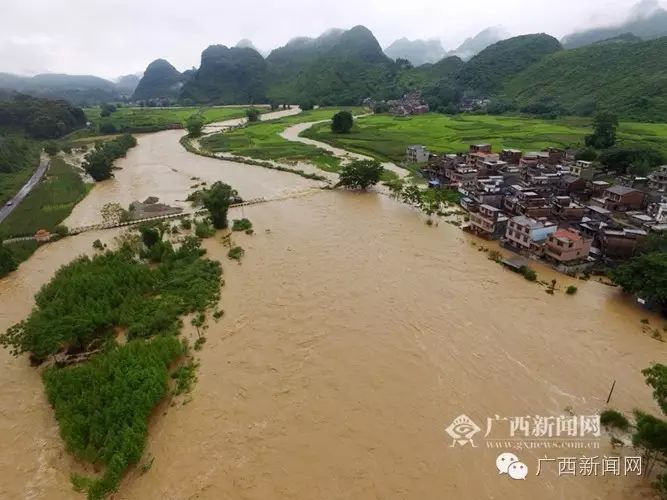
[134,222]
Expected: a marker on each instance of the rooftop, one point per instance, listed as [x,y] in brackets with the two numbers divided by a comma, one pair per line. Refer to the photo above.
[621,190]
[566,234]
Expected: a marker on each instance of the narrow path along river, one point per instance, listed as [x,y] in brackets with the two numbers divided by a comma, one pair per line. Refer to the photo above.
[354,334]
[293,134]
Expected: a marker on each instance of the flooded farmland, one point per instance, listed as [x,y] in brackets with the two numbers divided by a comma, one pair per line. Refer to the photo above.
[354,334]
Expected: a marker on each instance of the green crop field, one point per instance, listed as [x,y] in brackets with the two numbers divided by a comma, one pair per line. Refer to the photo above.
[49,203]
[262,140]
[153,119]
[386,137]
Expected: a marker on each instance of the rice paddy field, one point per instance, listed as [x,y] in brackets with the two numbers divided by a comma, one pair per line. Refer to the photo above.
[261,140]
[385,137]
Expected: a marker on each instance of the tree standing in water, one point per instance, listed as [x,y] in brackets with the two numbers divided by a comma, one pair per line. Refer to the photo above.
[216,200]
[360,174]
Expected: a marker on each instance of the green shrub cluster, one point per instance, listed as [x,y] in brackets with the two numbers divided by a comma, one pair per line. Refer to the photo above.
[241,225]
[102,406]
[99,162]
[89,297]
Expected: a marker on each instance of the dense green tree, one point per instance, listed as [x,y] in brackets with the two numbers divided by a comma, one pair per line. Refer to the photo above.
[306,105]
[605,124]
[17,154]
[623,159]
[360,174]
[107,128]
[649,433]
[40,118]
[8,262]
[342,122]
[99,162]
[216,199]
[252,114]
[644,275]
[195,124]
[51,148]
[587,154]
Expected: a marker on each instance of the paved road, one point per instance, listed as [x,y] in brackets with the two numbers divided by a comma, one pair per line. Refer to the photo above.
[27,187]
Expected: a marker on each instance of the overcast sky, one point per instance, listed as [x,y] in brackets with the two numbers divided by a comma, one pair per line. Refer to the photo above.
[109,38]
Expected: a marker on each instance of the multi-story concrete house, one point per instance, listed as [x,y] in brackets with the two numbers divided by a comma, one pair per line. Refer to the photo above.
[623,198]
[571,184]
[567,246]
[563,208]
[488,222]
[620,243]
[527,203]
[657,180]
[511,156]
[417,153]
[584,169]
[527,234]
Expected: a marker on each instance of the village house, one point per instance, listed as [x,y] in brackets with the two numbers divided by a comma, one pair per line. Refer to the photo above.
[488,222]
[463,175]
[410,104]
[487,191]
[641,220]
[571,184]
[527,234]
[534,158]
[511,156]
[620,243]
[490,166]
[563,208]
[567,246]
[526,202]
[623,198]
[658,211]
[597,188]
[555,156]
[583,169]
[417,154]
[599,214]
[657,180]
[479,148]
[441,167]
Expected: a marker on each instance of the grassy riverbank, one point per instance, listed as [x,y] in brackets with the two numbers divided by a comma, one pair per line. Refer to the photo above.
[135,119]
[262,141]
[385,137]
[49,203]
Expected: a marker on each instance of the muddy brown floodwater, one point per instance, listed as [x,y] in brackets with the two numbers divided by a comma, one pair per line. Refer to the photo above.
[353,335]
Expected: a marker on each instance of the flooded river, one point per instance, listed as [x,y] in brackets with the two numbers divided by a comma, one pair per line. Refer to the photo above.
[354,334]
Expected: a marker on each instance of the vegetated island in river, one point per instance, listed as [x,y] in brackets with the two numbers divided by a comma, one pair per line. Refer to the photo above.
[107,327]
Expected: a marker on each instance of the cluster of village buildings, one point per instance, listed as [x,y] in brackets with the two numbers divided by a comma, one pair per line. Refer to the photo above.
[411,103]
[548,205]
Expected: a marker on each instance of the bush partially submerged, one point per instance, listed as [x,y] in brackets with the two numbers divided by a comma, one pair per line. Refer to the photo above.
[241,225]
[614,419]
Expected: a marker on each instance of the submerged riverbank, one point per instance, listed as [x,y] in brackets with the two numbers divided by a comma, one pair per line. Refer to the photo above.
[354,334]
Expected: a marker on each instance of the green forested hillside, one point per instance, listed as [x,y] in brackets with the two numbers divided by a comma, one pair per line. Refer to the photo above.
[486,72]
[160,81]
[529,73]
[227,75]
[39,118]
[629,78]
[338,67]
